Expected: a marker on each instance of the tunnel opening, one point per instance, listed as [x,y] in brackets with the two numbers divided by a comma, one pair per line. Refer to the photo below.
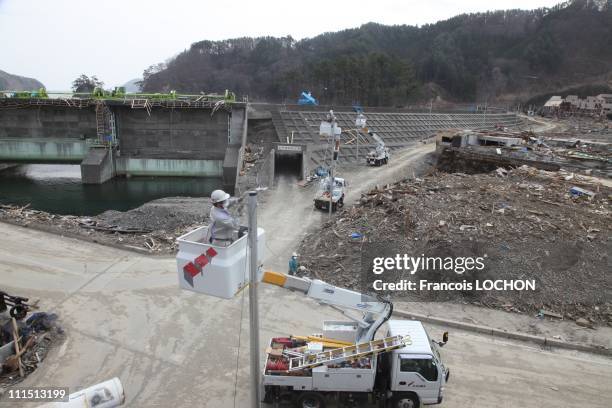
[288,164]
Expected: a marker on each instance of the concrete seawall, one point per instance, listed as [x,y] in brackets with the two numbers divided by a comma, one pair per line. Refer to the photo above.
[179,138]
[112,138]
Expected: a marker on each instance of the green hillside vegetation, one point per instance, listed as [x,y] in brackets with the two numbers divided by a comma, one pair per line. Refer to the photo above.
[482,56]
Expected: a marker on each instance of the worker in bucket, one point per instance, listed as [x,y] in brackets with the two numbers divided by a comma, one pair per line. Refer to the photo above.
[224,227]
[293,264]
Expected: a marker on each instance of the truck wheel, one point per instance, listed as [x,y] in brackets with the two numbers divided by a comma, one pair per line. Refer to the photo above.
[341,203]
[405,401]
[311,400]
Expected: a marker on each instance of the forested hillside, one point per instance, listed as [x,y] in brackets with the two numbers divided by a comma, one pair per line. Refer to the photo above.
[484,56]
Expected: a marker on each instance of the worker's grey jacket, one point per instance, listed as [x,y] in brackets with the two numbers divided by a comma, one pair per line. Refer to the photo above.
[223,225]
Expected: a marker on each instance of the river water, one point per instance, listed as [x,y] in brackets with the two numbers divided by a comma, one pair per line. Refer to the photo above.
[58,189]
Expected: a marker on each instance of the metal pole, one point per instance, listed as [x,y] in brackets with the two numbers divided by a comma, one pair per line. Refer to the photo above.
[333,163]
[484,115]
[253,302]
[331,188]
[357,153]
[429,124]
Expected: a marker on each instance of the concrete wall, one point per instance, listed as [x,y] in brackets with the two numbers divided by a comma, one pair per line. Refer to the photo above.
[172,134]
[132,166]
[40,122]
[43,150]
[164,142]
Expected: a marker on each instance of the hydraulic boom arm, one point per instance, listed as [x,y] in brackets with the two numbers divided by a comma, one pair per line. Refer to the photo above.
[375,311]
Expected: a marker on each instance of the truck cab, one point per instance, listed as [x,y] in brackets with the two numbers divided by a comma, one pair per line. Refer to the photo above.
[417,375]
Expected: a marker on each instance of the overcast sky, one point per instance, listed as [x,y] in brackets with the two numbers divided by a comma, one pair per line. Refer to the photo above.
[55,41]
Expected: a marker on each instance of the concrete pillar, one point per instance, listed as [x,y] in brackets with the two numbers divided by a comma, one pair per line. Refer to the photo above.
[305,162]
[238,126]
[272,158]
[230,167]
[235,126]
[98,166]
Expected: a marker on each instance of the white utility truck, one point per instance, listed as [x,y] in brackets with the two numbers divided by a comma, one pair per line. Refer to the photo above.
[346,363]
[380,154]
[321,200]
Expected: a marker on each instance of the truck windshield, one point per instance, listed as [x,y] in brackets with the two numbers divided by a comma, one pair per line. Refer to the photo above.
[324,187]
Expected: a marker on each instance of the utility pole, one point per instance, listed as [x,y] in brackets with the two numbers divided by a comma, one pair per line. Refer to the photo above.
[360,124]
[429,124]
[484,114]
[333,161]
[357,152]
[253,301]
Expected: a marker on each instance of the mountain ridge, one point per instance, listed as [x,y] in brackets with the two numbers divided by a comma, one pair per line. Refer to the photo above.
[12,82]
[493,56]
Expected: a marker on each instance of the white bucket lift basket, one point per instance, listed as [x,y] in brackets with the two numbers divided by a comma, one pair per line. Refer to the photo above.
[214,270]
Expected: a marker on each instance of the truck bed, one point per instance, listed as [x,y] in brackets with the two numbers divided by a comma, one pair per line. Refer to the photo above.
[355,377]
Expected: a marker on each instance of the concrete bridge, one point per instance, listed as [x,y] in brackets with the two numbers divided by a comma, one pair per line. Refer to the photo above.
[131,138]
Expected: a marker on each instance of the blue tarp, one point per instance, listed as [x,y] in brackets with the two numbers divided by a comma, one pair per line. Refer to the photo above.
[306,98]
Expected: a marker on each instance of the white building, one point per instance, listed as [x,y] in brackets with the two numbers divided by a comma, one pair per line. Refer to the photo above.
[606,102]
[590,103]
[554,102]
[573,100]
[600,104]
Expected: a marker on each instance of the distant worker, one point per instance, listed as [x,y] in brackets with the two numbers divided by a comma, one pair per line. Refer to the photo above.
[224,228]
[293,264]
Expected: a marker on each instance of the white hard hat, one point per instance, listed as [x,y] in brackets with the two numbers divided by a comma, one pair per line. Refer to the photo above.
[218,196]
[294,255]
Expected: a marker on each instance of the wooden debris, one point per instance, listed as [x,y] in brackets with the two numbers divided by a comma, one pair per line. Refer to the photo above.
[18,352]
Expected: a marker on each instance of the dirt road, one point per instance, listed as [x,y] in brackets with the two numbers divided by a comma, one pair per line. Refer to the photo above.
[542,125]
[287,211]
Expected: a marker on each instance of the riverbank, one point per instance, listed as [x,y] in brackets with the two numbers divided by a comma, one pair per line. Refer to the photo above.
[151,228]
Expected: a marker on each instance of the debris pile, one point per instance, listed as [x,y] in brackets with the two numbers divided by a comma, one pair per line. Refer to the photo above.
[477,151]
[24,341]
[250,157]
[152,227]
[552,227]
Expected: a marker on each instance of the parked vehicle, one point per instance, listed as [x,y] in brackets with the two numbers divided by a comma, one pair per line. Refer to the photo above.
[402,370]
[321,200]
[380,154]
